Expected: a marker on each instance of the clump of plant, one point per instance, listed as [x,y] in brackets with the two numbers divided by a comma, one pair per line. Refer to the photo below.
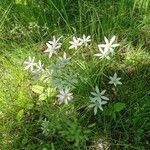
[57,83]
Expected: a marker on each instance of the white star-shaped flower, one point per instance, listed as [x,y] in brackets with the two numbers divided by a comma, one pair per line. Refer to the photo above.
[63,61]
[114,80]
[103,53]
[50,50]
[65,96]
[109,46]
[30,64]
[48,74]
[55,43]
[98,99]
[39,66]
[64,57]
[75,43]
[44,126]
[52,46]
[85,40]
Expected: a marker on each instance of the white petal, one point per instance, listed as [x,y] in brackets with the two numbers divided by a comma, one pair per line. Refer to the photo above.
[104,97]
[91,105]
[89,38]
[71,47]
[115,75]
[97,89]
[103,92]
[54,38]
[33,59]
[50,55]
[115,84]
[91,98]
[100,107]
[110,82]
[115,45]
[47,50]
[98,54]
[102,45]
[111,50]
[30,59]
[111,78]
[95,110]
[71,42]
[26,62]
[74,39]
[65,56]
[112,40]
[48,45]
[119,82]
[104,102]
[67,90]
[75,46]
[50,42]
[61,92]
[84,37]
[100,49]
[106,40]
[94,94]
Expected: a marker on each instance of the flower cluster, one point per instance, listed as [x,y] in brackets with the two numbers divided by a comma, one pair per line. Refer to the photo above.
[107,48]
[63,79]
[53,46]
[98,99]
[79,41]
[32,66]
[65,95]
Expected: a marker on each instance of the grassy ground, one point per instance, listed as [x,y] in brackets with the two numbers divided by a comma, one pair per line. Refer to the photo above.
[25,26]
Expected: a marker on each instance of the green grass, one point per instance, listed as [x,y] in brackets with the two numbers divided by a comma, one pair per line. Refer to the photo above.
[74,126]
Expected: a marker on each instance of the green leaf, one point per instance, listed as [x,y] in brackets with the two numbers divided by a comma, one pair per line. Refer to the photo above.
[25,140]
[43,96]
[119,106]
[29,105]
[37,89]
[20,115]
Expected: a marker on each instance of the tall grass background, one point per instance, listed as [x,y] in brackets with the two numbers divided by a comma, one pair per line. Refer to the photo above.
[98,18]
